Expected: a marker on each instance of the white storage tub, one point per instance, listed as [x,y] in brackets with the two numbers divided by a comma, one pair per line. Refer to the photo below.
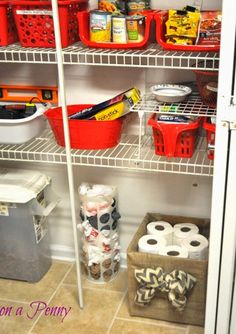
[18,131]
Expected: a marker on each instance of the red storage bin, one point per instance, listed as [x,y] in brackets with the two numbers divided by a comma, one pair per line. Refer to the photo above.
[174,140]
[8,32]
[210,131]
[161,18]
[34,22]
[207,83]
[84,134]
[83,19]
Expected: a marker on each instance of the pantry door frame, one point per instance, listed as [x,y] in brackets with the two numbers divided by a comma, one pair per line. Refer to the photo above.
[213,315]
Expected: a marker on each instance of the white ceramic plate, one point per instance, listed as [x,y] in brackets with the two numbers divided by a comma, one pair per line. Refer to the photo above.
[170,93]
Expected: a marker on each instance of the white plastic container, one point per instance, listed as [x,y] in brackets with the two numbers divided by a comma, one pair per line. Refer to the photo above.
[18,131]
[26,199]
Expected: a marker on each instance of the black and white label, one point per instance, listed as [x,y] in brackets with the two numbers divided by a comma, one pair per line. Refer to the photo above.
[40,227]
[4,208]
[33,12]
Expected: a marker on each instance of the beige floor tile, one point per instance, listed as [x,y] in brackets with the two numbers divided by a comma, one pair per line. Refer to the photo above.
[119,283]
[42,290]
[195,330]
[95,318]
[133,327]
[124,314]
[13,324]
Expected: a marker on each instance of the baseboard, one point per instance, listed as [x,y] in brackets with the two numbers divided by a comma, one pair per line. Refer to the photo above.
[63,253]
[66,253]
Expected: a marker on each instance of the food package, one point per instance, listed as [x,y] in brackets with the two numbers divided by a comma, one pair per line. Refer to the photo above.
[182,23]
[110,109]
[180,40]
[210,28]
[175,119]
[113,6]
[135,7]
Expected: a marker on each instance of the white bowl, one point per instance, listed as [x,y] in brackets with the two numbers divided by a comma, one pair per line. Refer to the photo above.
[170,93]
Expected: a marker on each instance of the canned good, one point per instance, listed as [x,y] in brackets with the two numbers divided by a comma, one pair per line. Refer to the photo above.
[100,26]
[135,28]
[119,34]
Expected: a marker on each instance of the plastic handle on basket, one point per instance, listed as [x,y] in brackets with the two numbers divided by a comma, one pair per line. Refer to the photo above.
[170,139]
[51,197]
[41,110]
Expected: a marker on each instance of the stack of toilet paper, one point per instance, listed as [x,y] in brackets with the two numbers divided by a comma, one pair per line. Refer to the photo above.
[180,240]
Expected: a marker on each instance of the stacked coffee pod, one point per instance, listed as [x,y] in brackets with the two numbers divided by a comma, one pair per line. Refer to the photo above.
[180,240]
[99,226]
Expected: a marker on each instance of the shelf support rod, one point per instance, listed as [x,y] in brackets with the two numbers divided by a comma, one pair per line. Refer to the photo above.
[67,144]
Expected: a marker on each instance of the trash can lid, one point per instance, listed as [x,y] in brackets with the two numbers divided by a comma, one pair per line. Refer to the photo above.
[20,186]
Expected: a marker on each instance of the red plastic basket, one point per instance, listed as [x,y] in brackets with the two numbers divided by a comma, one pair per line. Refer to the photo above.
[8,32]
[34,22]
[210,131]
[83,19]
[85,134]
[207,82]
[161,18]
[174,140]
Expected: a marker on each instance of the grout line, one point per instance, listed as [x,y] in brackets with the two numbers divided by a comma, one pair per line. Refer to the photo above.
[14,301]
[54,293]
[118,308]
[153,323]
[91,288]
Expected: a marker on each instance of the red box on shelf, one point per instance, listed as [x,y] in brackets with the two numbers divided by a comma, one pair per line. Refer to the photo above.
[83,19]
[34,22]
[161,18]
[8,32]
[84,134]
[174,139]
[210,131]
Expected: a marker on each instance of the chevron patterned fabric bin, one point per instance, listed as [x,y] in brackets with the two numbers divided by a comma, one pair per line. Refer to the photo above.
[160,307]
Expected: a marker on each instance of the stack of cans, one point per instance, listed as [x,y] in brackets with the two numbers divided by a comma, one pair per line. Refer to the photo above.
[106,27]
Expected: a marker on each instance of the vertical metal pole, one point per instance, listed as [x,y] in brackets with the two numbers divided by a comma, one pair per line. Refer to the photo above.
[67,143]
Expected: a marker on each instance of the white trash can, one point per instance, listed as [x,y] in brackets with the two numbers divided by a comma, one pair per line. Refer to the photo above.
[26,199]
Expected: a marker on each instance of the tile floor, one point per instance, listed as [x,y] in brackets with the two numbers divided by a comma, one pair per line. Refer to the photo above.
[105,310]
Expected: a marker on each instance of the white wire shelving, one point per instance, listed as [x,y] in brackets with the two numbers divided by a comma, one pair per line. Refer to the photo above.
[193,106]
[132,152]
[153,56]
[124,155]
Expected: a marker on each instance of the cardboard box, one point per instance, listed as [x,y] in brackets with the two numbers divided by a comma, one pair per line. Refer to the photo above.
[160,308]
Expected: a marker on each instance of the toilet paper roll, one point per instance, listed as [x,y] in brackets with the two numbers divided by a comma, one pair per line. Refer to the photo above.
[197,246]
[182,231]
[173,250]
[151,244]
[161,228]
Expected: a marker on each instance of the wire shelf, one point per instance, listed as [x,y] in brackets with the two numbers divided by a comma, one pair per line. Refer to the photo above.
[193,106]
[123,156]
[153,56]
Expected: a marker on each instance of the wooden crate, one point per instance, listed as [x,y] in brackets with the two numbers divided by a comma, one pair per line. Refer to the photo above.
[160,308]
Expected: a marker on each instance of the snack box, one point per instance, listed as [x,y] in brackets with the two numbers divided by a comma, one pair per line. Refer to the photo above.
[160,18]
[110,109]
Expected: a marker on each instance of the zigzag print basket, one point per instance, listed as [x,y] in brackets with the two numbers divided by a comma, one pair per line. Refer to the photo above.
[160,306]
